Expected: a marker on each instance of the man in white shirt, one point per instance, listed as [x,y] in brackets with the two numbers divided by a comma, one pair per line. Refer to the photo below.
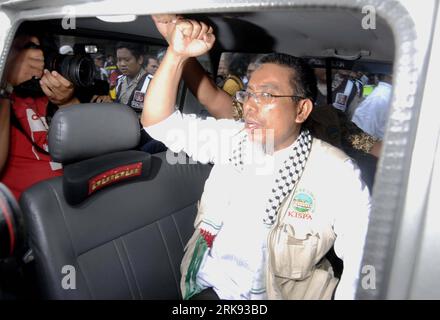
[270,210]
[371,115]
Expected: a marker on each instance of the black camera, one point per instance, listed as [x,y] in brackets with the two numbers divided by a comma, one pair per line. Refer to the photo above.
[78,68]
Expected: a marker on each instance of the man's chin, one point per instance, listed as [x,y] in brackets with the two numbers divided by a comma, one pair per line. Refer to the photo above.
[257,136]
[262,137]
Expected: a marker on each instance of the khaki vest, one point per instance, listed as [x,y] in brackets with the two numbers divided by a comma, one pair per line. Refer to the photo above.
[296,265]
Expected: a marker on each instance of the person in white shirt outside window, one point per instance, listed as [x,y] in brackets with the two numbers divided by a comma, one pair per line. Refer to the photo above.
[101,72]
[372,113]
[270,210]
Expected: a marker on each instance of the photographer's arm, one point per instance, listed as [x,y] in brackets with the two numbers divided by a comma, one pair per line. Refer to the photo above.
[21,65]
[61,91]
[58,89]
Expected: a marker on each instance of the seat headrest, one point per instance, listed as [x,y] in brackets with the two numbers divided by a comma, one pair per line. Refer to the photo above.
[87,130]
[83,179]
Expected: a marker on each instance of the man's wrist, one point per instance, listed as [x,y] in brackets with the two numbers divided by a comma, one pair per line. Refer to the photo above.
[176,57]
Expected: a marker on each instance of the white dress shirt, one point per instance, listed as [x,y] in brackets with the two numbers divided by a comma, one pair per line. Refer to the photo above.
[371,115]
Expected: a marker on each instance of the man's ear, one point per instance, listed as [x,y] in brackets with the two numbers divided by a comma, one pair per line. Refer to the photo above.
[140,60]
[305,107]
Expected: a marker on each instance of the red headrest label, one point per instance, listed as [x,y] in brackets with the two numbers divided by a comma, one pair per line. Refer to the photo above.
[114,175]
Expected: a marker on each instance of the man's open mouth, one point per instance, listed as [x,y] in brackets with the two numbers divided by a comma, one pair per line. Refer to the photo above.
[252,124]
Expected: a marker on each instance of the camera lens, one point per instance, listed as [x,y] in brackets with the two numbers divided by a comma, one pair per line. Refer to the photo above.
[85,71]
[78,69]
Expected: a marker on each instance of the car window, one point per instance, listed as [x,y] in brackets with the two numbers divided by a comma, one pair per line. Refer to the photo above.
[351,83]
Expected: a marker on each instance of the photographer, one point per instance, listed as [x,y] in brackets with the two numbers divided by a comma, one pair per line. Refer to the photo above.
[24,113]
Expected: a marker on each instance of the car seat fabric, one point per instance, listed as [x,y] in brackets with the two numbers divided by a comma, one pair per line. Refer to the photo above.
[125,241]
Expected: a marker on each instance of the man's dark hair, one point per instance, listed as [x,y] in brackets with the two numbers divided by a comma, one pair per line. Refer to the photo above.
[148,57]
[136,50]
[303,78]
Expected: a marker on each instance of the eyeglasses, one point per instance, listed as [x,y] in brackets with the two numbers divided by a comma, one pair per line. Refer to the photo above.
[260,97]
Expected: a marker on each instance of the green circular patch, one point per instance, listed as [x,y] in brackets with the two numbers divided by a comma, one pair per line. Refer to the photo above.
[302,202]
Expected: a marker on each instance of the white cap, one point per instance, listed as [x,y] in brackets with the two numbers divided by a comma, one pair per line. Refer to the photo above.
[66,50]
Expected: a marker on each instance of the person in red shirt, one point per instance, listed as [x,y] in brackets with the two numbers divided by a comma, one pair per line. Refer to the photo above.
[25,160]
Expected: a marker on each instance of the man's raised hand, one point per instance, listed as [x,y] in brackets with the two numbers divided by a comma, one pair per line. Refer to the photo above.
[24,63]
[165,24]
[191,38]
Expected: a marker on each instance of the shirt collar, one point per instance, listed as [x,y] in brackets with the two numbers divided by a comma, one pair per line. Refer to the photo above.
[136,78]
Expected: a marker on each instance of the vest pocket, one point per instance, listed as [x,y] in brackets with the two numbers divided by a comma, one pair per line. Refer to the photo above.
[292,257]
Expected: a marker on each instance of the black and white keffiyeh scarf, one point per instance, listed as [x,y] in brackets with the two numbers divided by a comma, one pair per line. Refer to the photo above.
[287,177]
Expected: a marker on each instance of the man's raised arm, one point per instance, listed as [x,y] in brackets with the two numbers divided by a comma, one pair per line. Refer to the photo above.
[216,101]
[188,39]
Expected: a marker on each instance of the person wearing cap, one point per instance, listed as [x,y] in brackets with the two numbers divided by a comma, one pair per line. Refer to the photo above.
[101,73]
[66,49]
